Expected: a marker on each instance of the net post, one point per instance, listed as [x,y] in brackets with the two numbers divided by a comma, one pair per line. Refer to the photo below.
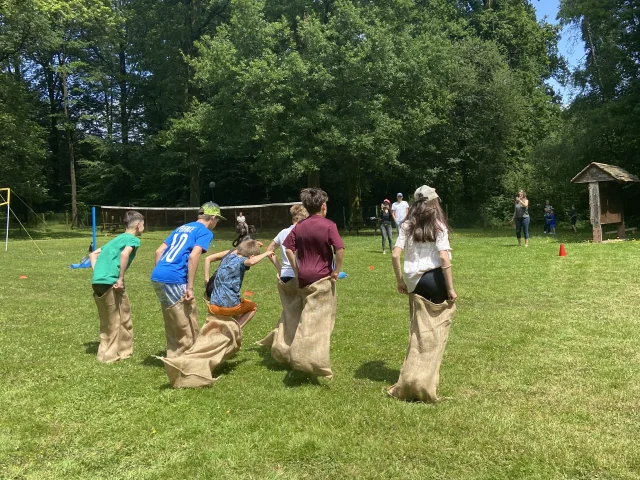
[93,228]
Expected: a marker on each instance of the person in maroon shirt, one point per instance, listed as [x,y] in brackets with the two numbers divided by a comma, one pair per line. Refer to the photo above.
[311,247]
[314,240]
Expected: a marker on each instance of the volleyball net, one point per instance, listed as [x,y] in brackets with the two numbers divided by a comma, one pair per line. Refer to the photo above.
[267,216]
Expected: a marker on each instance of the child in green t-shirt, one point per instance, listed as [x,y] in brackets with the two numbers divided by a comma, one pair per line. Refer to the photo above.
[109,265]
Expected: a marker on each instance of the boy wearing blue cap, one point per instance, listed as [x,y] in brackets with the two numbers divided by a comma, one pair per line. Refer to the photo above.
[177,262]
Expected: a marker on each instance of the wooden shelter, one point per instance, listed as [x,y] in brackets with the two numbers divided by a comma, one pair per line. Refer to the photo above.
[605,195]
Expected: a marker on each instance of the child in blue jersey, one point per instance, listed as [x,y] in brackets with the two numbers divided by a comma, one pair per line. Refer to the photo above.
[177,261]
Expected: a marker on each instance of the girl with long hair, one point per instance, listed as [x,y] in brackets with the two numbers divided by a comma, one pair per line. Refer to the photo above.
[424,237]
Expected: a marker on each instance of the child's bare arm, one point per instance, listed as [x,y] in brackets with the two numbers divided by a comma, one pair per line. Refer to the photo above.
[214,257]
[250,262]
[93,257]
[192,268]
[273,246]
[338,264]
[159,253]
[124,263]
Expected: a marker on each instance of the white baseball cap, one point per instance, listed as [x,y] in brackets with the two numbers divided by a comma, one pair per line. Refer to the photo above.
[425,192]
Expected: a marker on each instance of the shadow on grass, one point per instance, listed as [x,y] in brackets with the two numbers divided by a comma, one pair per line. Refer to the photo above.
[296,378]
[377,371]
[91,347]
[267,360]
[228,367]
[152,361]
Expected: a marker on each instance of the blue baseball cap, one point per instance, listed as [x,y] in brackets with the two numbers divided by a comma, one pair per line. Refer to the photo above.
[399,195]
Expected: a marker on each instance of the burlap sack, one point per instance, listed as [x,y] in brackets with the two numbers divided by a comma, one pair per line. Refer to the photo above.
[309,349]
[219,338]
[180,326]
[116,329]
[420,374]
[291,299]
[268,340]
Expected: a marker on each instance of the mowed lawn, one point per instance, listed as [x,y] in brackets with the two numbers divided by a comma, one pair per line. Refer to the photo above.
[542,371]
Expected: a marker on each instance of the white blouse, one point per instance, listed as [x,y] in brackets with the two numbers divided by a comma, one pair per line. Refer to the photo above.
[420,257]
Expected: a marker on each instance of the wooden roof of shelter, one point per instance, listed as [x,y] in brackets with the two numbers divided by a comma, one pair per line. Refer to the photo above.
[601,172]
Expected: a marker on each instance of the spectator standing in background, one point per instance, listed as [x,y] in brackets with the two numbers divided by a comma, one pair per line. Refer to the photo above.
[399,210]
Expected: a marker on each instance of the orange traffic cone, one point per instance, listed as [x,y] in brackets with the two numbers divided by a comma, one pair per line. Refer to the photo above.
[563,252]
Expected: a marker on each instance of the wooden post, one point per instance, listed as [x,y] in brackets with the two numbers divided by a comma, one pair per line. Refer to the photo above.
[594,204]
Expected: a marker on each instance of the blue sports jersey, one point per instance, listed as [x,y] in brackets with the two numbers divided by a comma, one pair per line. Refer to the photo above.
[174,263]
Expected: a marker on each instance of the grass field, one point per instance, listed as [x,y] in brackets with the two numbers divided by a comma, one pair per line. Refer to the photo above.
[542,367]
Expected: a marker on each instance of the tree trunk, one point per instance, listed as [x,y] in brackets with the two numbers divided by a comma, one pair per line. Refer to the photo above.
[72,163]
[194,176]
[124,95]
[313,179]
[54,134]
[354,191]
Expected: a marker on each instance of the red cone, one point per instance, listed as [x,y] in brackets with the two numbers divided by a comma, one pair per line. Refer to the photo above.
[563,252]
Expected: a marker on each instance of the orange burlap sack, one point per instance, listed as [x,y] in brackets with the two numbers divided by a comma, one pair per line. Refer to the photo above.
[219,338]
[180,326]
[291,300]
[420,374]
[116,329]
[309,350]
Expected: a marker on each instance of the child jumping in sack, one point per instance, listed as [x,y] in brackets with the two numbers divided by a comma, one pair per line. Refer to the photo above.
[311,246]
[223,289]
[177,260]
[109,265]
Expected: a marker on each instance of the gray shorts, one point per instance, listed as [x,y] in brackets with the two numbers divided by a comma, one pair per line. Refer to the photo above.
[169,293]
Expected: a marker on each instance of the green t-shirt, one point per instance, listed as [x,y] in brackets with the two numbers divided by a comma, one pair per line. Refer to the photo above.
[107,269]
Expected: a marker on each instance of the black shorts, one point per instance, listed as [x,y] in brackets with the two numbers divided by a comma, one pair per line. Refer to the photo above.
[432,286]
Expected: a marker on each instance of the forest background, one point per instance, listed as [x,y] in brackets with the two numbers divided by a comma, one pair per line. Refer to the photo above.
[145,102]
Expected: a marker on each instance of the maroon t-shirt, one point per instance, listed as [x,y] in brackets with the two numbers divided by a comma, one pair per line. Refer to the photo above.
[314,240]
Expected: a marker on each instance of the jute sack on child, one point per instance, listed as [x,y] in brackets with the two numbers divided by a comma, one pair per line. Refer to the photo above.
[219,338]
[116,329]
[309,350]
[181,326]
[268,340]
[420,374]
[289,320]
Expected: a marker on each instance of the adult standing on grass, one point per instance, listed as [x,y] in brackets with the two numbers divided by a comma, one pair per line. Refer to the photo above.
[521,217]
[177,262]
[386,220]
[424,237]
[399,210]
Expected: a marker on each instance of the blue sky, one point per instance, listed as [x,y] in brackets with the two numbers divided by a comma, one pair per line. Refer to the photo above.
[571,46]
